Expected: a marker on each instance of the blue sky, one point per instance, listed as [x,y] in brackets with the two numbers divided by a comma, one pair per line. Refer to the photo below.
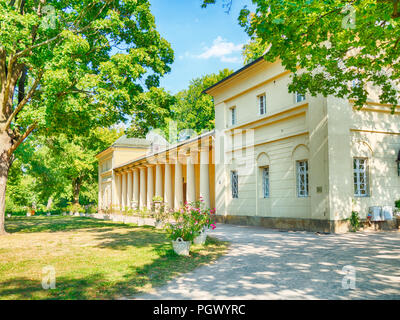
[204,40]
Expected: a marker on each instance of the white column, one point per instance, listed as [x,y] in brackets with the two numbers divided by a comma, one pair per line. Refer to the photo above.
[178,200]
[169,201]
[159,187]
[150,186]
[190,180]
[123,191]
[129,190]
[136,187]
[205,176]
[142,201]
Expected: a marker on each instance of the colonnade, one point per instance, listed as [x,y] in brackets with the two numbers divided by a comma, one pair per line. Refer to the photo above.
[137,184]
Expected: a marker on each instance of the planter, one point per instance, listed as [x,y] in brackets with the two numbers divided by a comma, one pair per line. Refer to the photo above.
[181,247]
[201,239]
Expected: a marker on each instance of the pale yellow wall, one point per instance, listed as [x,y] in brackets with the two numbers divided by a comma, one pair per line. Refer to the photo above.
[374,133]
[108,184]
[328,131]
[124,155]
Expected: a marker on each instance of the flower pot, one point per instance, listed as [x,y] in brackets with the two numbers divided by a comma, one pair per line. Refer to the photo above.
[201,239]
[181,247]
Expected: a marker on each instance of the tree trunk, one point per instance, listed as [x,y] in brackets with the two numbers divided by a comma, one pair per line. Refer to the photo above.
[5,163]
[76,186]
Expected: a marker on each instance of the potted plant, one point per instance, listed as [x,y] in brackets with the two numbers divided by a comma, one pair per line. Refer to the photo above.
[182,231]
[203,220]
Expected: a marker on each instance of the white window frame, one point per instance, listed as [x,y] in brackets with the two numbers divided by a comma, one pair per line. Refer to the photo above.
[233,116]
[298,97]
[234,184]
[262,104]
[302,170]
[361,177]
[265,182]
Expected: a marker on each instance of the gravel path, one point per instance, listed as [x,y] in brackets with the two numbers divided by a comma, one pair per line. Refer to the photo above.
[268,264]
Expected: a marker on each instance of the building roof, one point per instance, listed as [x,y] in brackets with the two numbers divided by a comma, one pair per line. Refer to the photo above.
[234,74]
[124,141]
[169,148]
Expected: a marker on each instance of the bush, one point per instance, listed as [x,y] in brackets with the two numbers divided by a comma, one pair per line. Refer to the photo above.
[190,221]
[92,209]
[75,208]
[355,221]
[397,204]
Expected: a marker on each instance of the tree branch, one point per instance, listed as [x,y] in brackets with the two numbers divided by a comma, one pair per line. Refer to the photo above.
[21,139]
[23,102]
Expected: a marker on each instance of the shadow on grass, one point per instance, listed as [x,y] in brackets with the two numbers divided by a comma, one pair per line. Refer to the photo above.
[55,224]
[97,285]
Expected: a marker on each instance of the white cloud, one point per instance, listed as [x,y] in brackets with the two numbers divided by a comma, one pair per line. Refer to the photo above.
[221,49]
[230,59]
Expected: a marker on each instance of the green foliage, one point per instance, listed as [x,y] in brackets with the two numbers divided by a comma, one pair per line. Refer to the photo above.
[75,208]
[152,111]
[193,109]
[253,50]
[54,167]
[397,204]
[329,44]
[355,221]
[190,221]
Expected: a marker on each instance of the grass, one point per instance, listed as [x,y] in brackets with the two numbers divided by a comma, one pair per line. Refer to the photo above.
[93,259]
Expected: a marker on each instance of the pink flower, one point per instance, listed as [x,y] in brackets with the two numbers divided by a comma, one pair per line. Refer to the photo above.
[213,226]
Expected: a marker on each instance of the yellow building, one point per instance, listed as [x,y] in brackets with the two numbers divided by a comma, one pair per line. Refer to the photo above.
[276,159]
[133,171]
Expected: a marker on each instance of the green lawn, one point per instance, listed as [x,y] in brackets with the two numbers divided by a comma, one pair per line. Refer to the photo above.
[93,259]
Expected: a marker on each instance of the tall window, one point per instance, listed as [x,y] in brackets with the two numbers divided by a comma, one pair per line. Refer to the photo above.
[302,178]
[300,97]
[361,183]
[265,182]
[261,103]
[234,184]
[233,116]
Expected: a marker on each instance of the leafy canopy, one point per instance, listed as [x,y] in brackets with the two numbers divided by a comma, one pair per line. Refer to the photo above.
[80,63]
[335,47]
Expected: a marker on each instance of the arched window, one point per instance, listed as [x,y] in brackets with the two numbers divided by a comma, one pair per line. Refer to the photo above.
[300,156]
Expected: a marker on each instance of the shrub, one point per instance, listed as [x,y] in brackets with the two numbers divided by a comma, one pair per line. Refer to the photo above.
[190,220]
[355,221]
[397,204]
[75,207]
[92,209]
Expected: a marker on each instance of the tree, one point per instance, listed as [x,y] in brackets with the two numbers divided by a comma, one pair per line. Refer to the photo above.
[152,111]
[337,47]
[67,66]
[58,167]
[72,159]
[194,110]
